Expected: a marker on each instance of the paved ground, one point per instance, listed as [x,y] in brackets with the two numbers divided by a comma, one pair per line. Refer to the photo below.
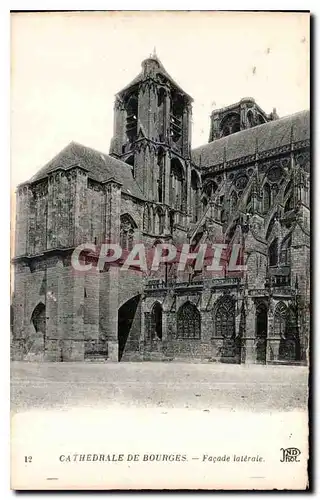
[167,385]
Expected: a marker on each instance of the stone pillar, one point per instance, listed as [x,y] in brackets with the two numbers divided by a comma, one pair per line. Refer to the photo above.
[164,326]
[108,310]
[55,314]
[168,180]
[119,119]
[143,326]
[167,116]
[186,130]
[273,342]
[109,279]
[214,126]
[81,216]
[20,309]
[22,223]
[249,340]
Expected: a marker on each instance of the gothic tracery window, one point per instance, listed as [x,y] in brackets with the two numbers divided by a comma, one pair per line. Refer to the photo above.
[286,328]
[280,316]
[177,195]
[285,251]
[127,227]
[230,124]
[188,322]
[225,318]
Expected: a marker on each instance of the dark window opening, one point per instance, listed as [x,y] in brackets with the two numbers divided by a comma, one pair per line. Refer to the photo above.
[273,253]
[132,118]
[177,193]
[38,318]
[126,315]
[250,119]
[289,204]
[230,124]
[176,114]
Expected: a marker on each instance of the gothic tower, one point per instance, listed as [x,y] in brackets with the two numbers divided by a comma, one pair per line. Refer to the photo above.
[152,133]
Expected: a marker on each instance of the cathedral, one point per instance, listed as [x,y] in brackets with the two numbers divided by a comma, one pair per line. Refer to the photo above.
[248,184]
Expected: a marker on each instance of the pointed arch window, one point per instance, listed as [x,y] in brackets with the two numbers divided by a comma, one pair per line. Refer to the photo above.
[158,221]
[266,198]
[280,316]
[131,107]
[146,219]
[273,252]
[286,328]
[285,251]
[127,228]
[225,318]
[289,204]
[288,189]
[188,322]
[209,188]
[230,124]
[250,118]
[177,194]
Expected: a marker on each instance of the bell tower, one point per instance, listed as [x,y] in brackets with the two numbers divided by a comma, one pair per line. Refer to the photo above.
[152,133]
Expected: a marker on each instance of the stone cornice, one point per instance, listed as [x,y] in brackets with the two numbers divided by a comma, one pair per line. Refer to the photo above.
[245,160]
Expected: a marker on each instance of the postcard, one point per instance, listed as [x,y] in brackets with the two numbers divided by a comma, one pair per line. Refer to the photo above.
[160,299]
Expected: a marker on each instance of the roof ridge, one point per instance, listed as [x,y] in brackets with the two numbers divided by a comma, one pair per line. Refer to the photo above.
[225,138]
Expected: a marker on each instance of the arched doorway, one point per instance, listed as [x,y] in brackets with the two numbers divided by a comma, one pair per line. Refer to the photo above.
[35,344]
[261,333]
[126,315]
[38,318]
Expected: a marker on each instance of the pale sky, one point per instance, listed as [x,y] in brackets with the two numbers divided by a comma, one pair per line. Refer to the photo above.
[67,67]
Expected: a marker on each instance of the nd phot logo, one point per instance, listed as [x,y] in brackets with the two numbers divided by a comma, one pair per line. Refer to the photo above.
[290,454]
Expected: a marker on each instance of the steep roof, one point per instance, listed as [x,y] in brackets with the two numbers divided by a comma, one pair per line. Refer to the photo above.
[100,167]
[262,138]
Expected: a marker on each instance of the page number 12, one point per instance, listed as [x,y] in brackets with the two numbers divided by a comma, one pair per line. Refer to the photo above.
[28,460]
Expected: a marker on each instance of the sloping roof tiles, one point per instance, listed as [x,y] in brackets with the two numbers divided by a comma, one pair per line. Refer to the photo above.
[100,167]
[261,138]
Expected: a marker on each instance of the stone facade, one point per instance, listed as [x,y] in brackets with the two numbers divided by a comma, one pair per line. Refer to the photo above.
[250,185]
